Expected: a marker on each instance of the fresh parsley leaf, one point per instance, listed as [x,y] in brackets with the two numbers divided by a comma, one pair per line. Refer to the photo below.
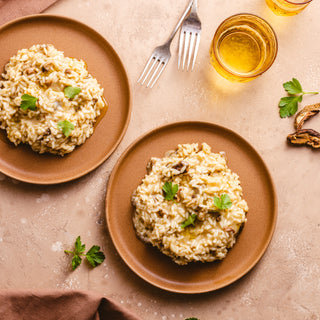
[28,102]
[222,203]
[94,255]
[293,87]
[289,105]
[79,247]
[66,127]
[193,318]
[70,92]
[76,261]
[191,220]
[78,251]
[170,190]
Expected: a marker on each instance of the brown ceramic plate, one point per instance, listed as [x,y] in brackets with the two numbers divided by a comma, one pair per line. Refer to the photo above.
[148,262]
[78,41]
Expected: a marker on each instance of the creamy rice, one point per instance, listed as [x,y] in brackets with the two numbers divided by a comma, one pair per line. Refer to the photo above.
[200,175]
[44,72]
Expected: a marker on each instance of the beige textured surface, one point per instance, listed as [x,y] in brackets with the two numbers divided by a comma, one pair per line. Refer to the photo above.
[38,222]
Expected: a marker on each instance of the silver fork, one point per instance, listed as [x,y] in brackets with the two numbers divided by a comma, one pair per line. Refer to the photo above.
[189,38]
[160,56]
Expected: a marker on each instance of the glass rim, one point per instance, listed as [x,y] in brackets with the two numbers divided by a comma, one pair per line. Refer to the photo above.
[298,3]
[239,74]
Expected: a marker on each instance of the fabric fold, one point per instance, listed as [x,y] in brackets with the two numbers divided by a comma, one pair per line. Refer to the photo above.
[13,9]
[59,305]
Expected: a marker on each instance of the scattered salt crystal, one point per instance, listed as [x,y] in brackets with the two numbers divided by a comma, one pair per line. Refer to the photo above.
[43,198]
[57,246]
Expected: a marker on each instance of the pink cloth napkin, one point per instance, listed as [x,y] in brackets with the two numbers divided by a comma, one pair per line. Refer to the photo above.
[59,305]
[12,9]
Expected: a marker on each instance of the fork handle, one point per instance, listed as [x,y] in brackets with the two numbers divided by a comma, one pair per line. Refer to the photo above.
[194,6]
[180,22]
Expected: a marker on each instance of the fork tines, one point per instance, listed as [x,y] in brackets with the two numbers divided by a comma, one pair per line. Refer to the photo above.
[152,70]
[189,38]
[188,45]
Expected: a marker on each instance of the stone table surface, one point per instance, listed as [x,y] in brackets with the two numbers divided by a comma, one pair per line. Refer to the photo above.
[38,222]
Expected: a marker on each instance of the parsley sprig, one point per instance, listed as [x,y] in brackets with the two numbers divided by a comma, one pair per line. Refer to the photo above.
[222,203]
[190,221]
[94,255]
[66,127]
[170,190]
[70,92]
[289,105]
[28,102]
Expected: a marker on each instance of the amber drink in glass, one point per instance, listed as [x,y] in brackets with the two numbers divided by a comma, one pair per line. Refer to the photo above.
[287,7]
[244,46]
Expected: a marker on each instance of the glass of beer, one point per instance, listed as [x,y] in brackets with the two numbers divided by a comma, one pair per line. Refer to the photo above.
[244,46]
[287,7]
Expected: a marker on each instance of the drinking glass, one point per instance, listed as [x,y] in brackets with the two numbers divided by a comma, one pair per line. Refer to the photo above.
[244,46]
[287,7]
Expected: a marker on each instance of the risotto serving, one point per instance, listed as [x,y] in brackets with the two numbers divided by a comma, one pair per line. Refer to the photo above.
[190,205]
[48,101]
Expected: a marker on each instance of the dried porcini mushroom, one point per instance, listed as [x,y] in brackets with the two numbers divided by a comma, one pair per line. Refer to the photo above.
[229,229]
[47,66]
[150,165]
[307,137]
[306,113]
[181,167]
[30,71]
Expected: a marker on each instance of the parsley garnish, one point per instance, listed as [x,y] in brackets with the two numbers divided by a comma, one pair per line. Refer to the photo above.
[170,190]
[223,202]
[66,127]
[94,255]
[28,102]
[191,219]
[289,105]
[193,318]
[71,92]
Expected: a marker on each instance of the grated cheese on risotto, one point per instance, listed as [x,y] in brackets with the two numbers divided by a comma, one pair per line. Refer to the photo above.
[190,227]
[42,73]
